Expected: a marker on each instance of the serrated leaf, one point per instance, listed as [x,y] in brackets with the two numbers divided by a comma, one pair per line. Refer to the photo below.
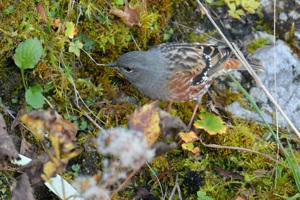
[202,196]
[233,14]
[232,6]
[34,96]
[188,146]
[250,5]
[75,47]
[28,53]
[188,137]
[239,12]
[211,124]
[71,30]
[218,3]
[118,2]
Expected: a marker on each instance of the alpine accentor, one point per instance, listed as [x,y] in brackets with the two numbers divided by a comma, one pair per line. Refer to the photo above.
[175,72]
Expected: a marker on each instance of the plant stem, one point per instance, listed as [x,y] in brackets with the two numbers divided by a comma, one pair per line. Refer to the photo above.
[23,79]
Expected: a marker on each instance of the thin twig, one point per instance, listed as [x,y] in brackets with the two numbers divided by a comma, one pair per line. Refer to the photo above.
[124,182]
[92,58]
[159,183]
[89,118]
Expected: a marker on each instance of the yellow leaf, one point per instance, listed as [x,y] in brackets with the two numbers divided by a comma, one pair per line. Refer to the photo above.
[49,170]
[71,30]
[188,137]
[146,119]
[35,124]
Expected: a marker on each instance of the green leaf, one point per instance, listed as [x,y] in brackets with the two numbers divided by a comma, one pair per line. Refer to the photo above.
[250,5]
[10,9]
[118,2]
[28,53]
[75,47]
[218,3]
[169,34]
[232,6]
[202,196]
[76,167]
[211,124]
[87,43]
[70,30]
[83,125]
[239,12]
[234,14]
[34,96]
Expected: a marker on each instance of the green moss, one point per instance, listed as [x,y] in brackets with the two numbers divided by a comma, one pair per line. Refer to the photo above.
[256,44]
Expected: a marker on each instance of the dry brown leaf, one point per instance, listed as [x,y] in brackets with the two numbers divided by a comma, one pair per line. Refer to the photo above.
[8,151]
[16,121]
[62,135]
[170,125]
[146,120]
[240,197]
[57,24]
[41,121]
[129,16]
[23,189]
[34,169]
[40,9]
[229,174]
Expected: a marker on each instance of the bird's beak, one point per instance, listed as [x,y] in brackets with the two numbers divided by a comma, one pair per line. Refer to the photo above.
[110,65]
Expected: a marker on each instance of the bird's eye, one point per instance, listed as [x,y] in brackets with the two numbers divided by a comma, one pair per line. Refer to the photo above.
[127,69]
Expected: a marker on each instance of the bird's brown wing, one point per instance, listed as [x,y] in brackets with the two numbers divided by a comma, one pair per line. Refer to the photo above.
[194,66]
[200,60]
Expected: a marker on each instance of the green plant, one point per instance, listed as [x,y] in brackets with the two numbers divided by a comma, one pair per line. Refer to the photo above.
[34,96]
[237,8]
[76,169]
[27,55]
[256,44]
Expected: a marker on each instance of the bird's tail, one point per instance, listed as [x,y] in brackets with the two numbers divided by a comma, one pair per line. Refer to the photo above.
[233,63]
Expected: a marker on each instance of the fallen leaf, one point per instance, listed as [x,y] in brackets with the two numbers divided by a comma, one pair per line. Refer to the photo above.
[8,151]
[129,16]
[23,189]
[40,9]
[229,174]
[196,150]
[189,137]
[141,193]
[16,121]
[211,124]
[240,197]
[41,121]
[56,24]
[34,169]
[62,135]
[146,119]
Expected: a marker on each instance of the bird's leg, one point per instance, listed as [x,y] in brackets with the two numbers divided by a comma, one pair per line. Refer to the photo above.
[169,106]
[193,116]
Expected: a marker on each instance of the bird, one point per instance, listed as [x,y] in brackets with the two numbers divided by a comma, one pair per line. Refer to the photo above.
[175,72]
